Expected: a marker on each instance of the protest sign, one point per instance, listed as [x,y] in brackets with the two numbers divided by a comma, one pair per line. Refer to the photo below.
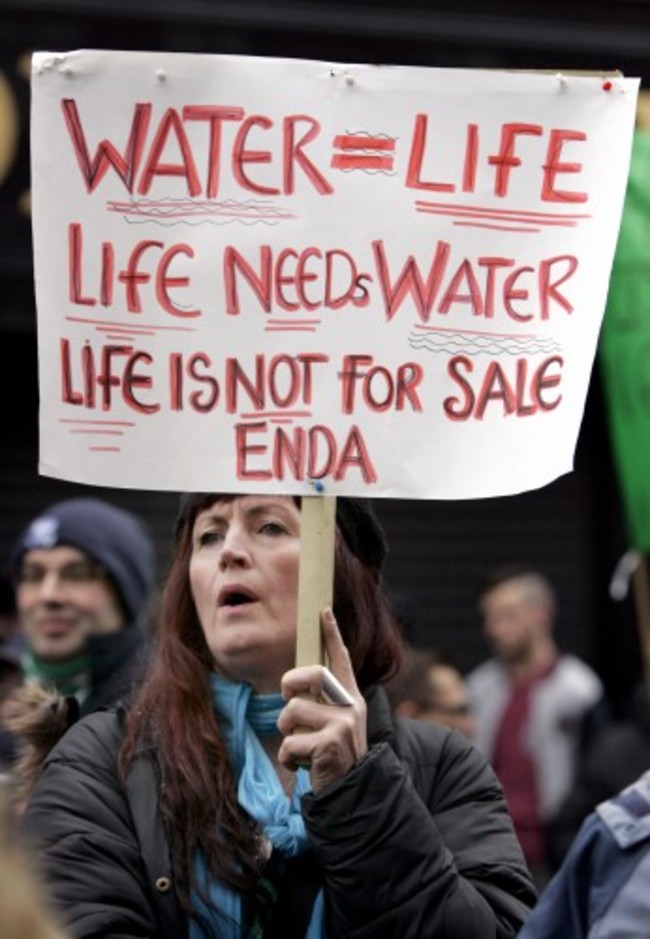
[268,274]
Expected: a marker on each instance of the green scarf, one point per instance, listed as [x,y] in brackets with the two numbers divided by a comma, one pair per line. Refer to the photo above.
[71,677]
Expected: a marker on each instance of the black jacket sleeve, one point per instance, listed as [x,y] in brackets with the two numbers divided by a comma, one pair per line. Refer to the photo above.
[79,822]
[421,852]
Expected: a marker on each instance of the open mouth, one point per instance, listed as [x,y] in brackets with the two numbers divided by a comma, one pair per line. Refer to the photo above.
[235,596]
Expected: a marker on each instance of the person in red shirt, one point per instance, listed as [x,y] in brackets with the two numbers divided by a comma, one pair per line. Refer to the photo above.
[531,703]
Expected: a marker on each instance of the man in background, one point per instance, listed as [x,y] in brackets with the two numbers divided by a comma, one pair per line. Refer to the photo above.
[429,687]
[84,573]
[533,705]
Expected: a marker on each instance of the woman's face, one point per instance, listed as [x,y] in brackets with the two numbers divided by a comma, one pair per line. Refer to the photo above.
[244,580]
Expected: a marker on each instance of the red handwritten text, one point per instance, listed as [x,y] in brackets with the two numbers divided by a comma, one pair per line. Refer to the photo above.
[302,454]
[550,164]
[521,395]
[138,171]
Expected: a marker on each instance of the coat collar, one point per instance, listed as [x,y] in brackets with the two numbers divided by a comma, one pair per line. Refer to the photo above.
[380,718]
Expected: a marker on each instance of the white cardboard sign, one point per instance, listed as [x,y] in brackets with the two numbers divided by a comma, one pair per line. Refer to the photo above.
[259,274]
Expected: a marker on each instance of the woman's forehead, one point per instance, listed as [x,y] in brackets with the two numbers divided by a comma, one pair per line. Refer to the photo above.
[227,506]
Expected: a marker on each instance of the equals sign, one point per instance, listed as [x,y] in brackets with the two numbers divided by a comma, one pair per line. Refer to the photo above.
[369,159]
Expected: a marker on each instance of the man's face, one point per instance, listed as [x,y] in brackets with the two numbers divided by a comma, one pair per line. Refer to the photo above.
[449,700]
[511,620]
[64,597]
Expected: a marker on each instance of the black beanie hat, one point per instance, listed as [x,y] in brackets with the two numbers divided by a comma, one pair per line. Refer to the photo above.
[355,519]
[115,538]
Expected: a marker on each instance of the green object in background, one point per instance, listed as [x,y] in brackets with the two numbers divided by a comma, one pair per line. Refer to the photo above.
[624,350]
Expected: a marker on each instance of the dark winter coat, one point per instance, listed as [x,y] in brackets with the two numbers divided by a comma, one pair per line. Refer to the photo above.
[414,842]
[117,662]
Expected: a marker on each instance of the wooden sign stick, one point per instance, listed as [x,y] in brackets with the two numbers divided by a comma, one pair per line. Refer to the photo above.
[316,576]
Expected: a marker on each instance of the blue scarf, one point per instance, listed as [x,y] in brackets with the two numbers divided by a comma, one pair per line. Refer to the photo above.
[244,718]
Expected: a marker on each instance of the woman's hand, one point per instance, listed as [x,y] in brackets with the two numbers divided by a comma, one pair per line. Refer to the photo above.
[329,738]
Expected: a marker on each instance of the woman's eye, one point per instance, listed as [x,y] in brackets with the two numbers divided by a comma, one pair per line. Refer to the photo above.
[207,538]
[272,528]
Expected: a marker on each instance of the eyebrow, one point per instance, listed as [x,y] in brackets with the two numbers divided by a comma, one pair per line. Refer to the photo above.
[45,558]
[261,508]
[43,565]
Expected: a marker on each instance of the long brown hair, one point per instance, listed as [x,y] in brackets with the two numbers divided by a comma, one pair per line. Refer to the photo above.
[173,716]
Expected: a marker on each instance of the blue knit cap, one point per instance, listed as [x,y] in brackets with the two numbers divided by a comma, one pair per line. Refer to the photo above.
[115,538]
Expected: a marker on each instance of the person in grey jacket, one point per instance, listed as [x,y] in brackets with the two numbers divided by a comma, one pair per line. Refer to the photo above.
[243,796]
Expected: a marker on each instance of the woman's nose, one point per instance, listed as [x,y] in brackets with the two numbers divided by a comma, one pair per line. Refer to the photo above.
[235,549]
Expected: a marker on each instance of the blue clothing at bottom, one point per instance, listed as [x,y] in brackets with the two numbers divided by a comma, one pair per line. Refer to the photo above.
[602,890]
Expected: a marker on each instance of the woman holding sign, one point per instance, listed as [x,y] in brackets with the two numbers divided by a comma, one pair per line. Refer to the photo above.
[242,796]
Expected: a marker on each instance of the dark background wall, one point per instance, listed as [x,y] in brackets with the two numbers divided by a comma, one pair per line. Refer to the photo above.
[574,527]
